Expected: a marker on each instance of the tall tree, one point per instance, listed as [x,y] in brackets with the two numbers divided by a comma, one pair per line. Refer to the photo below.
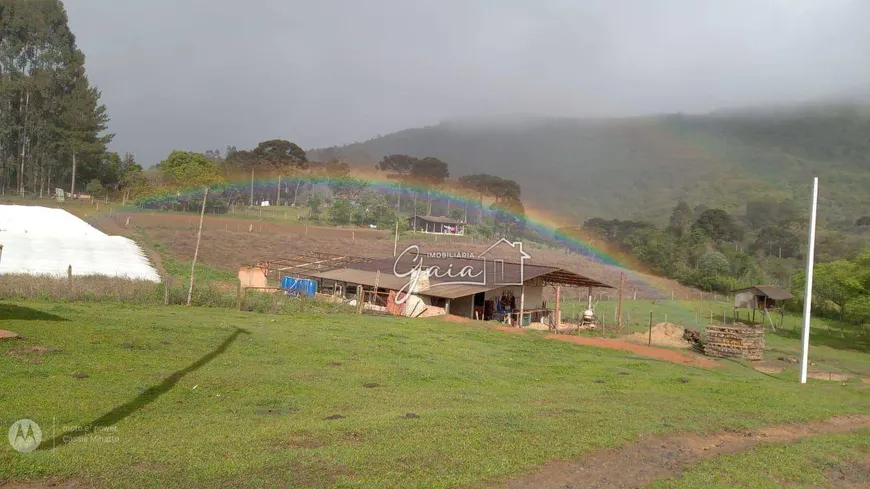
[187,169]
[49,114]
[280,153]
[719,226]
[429,171]
[510,218]
[681,219]
[399,167]
[500,189]
[82,122]
[132,177]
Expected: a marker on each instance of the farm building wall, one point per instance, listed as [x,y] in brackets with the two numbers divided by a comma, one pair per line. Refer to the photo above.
[745,299]
[252,277]
[462,306]
[534,295]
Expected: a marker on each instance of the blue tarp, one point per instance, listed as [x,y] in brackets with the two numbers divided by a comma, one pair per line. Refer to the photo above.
[299,285]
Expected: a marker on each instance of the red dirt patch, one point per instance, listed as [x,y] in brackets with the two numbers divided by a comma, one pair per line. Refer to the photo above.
[829,376]
[8,334]
[301,440]
[450,318]
[663,334]
[660,457]
[642,350]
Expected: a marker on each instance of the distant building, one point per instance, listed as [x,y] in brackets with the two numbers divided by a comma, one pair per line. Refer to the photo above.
[436,225]
[761,297]
[764,298]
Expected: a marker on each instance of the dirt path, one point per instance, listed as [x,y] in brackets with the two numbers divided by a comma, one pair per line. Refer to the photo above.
[674,356]
[642,350]
[660,457]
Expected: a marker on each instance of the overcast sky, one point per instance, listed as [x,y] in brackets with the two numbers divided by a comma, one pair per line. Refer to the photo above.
[200,74]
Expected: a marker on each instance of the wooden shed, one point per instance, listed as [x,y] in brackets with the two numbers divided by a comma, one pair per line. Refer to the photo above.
[436,225]
[762,298]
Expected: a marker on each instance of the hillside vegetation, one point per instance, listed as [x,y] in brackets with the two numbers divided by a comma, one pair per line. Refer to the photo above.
[639,168]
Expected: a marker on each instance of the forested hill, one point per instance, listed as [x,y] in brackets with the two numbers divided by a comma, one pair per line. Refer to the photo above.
[639,168]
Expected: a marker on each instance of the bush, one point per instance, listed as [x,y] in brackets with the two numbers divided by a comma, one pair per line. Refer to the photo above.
[858,310]
[94,187]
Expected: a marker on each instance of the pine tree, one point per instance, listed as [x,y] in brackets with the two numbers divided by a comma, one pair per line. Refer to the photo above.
[49,114]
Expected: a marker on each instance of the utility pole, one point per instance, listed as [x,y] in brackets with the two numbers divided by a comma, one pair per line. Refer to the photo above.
[196,250]
[808,292]
[252,187]
[278,200]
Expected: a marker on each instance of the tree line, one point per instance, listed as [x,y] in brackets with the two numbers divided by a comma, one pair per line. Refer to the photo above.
[710,248]
[419,188]
[841,288]
[53,128]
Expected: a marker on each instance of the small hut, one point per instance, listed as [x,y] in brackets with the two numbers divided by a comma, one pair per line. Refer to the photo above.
[436,225]
[763,298]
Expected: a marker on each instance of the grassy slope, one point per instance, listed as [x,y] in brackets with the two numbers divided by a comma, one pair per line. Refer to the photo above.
[491,404]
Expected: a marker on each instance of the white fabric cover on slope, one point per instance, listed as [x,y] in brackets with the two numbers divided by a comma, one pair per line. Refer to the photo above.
[43,241]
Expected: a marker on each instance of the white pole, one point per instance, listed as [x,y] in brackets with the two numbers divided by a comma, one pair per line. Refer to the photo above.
[808,293]
[396,242]
[196,250]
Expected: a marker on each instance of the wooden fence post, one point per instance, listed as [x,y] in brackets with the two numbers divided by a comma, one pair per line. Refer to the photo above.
[196,250]
[649,342]
[619,304]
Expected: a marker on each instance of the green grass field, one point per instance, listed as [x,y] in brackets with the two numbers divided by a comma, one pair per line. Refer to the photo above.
[834,346]
[196,397]
[841,460]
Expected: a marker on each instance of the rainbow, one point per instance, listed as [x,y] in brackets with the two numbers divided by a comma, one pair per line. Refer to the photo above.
[543,222]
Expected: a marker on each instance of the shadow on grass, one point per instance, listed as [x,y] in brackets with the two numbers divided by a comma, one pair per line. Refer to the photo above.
[147,397]
[830,338]
[11,311]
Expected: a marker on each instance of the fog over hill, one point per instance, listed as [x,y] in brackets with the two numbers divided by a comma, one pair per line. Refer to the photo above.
[640,167]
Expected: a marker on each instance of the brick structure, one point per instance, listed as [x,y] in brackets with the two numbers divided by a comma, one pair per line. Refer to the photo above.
[735,341]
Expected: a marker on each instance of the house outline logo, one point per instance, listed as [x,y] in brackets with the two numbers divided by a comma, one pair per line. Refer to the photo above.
[418,274]
[498,264]
[25,435]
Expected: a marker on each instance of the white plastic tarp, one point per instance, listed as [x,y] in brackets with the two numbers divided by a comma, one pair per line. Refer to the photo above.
[44,241]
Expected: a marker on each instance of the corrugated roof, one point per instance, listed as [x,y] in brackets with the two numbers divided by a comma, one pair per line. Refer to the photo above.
[774,292]
[446,273]
[438,219]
